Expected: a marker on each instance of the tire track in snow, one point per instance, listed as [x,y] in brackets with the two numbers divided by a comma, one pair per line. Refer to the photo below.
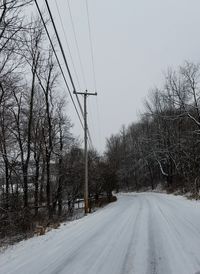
[157,259]
[172,221]
[187,222]
[139,234]
[182,237]
[102,250]
[128,264]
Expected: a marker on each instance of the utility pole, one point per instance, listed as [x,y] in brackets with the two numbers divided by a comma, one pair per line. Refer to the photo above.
[86,94]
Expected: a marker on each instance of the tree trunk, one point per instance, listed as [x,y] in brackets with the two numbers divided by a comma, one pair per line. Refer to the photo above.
[48,187]
[36,186]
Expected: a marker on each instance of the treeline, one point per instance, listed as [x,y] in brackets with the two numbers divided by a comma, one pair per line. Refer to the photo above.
[41,163]
[163,147]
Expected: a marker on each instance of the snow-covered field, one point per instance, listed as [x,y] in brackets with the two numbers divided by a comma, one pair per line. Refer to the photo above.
[144,233]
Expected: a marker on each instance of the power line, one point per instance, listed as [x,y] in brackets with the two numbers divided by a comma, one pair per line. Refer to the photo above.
[59,64]
[76,43]
[65,35]
[91,44]
[90,118]
[79,57]
[66,39]
[65,60]
[63,53]
[99,121]
[93,65]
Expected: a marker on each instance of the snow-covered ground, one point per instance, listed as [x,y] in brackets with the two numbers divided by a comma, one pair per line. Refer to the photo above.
[146,233]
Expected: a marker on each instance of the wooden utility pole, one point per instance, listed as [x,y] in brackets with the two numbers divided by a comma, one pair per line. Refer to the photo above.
[86,94]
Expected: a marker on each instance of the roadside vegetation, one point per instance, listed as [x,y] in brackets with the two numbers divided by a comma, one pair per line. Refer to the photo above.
[163,147]
[41,162]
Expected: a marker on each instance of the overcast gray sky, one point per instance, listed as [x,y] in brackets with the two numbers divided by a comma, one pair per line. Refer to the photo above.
[134,43]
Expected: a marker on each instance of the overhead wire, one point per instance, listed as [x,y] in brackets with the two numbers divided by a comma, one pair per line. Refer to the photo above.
[59,64]
[66,63]
[99,122]
[76,43]
[90,117]
[91,44]
[67,42]
[93,66]
[62,51]
[80,62]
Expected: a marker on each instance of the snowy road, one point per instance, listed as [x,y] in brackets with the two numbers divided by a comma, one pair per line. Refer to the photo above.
[143,233]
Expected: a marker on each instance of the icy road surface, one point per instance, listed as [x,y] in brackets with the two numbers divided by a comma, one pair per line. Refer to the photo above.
[140,233]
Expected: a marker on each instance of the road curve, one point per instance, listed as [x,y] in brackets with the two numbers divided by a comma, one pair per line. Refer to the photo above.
[145,233]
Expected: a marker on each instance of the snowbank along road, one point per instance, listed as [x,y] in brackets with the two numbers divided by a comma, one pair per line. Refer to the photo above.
[140,233]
